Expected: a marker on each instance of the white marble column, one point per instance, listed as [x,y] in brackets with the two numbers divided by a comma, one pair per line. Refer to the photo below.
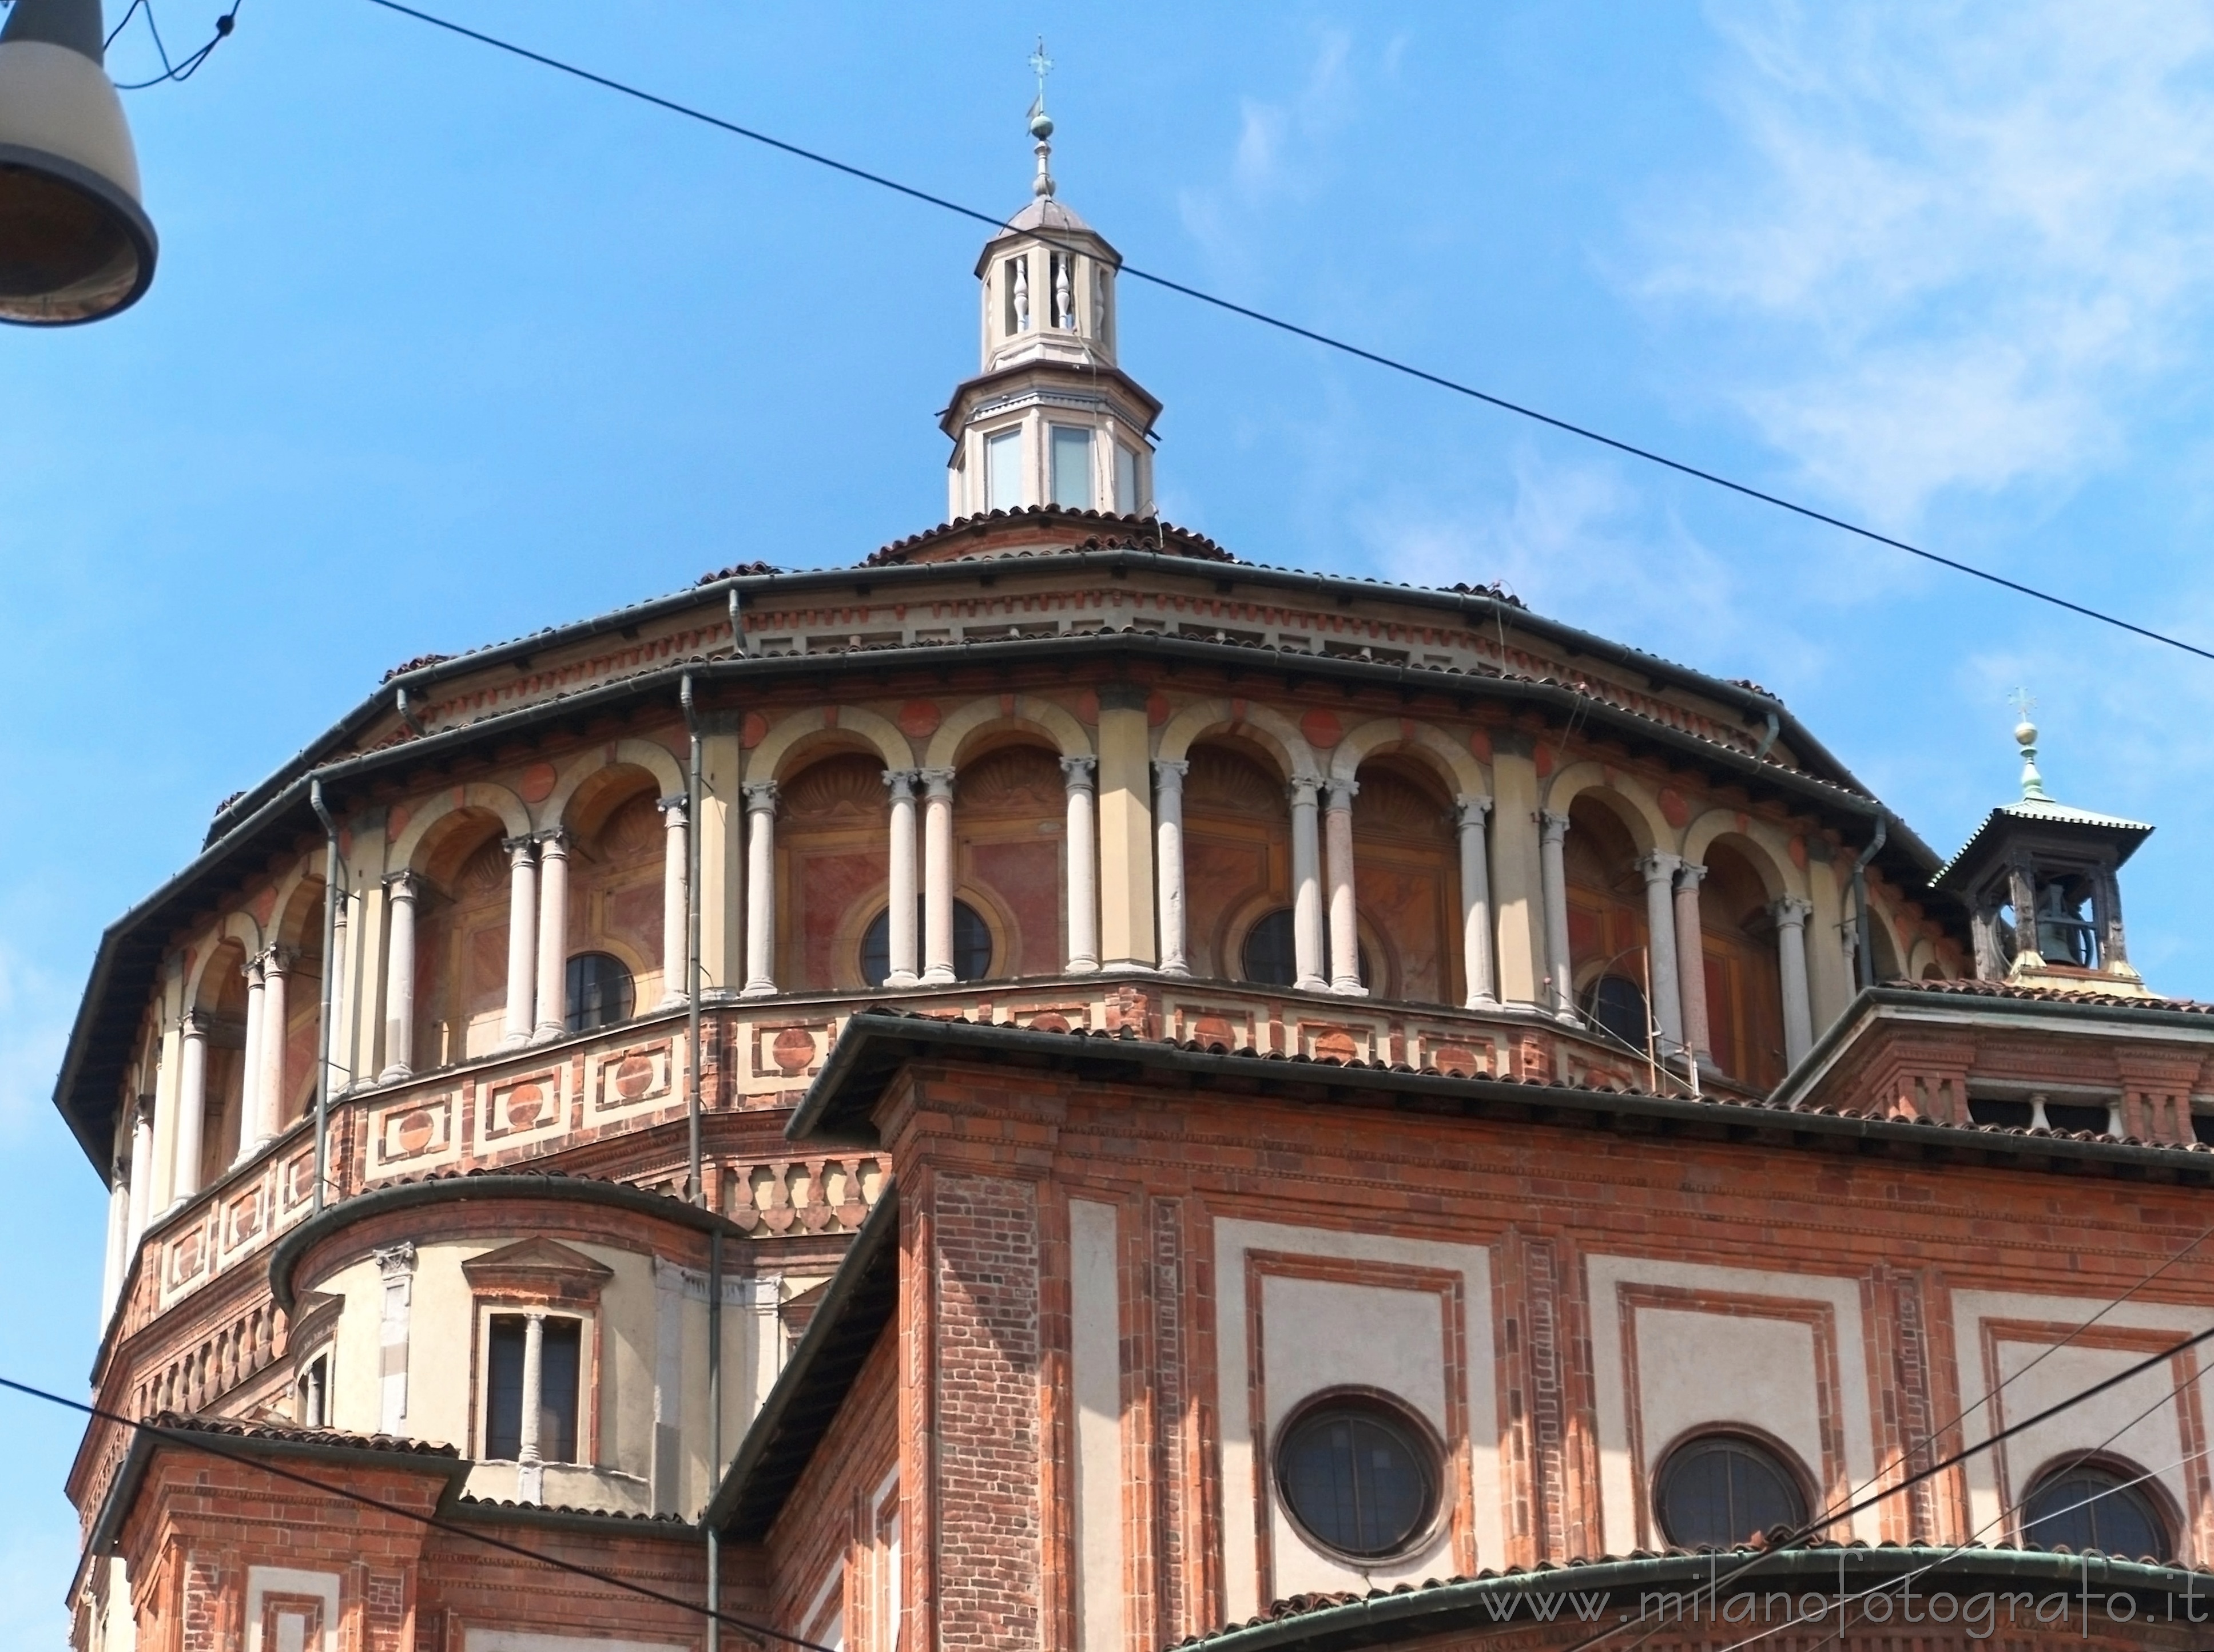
[399,892]
[760,889]
[341,1039]
[1790,913]
[1168,865]
[1476,902]
[1551,829]
[1659,870]
[675,900]
[1691,963]
[522,1015]
[902,964]
[269,1092]
[191,1109]
[553,995]
[142,1171]
[936,877]
[531,1473]
[1344,915]
[1082,845]
[119,1238]
[1308,947]
[249,1061]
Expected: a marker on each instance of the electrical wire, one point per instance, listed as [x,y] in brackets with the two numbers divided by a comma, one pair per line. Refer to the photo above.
[178,72]
[192,1440]
[1377,358]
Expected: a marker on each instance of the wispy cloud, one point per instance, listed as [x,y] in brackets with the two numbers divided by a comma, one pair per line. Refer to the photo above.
[34,1012]
[1958,238]
[1281,154]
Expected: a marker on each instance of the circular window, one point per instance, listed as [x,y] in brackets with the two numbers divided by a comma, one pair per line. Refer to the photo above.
[600,992]
[1616,1005]
[1721,1490]
[1271,955]
[972,945]
[2093,1508]
[1359,1477]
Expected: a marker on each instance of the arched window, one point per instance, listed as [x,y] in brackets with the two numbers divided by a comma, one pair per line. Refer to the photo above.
[1720,1489]
[1359,1475]
[1270,957]
[2090,1507]
[972,945]
[600,991]
[1616,1005]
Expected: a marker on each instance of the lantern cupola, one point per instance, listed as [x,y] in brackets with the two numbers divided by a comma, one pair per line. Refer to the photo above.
[2039,879]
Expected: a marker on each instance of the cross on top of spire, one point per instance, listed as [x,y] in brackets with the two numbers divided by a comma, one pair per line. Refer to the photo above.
[1041,123]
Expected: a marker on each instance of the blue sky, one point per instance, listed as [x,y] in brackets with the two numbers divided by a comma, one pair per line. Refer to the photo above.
[444,348]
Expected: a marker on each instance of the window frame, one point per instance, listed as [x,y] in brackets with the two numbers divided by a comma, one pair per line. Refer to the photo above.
[2147,1492]
[1430,1451]
[1089,468]
[1794,1472]
[571,1019]
[992,442]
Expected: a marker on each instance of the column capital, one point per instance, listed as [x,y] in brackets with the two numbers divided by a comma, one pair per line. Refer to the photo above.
[395,1259]
[1342,792]
[1551,827]
[1689,875]
[402,885]
[555,840]
[1790,912]
[1170,771]
[278,960]
[518,848]
[196,1023]
[1076,773]
[143,1112]
[761,797]
[674,804]
[1471,808]
[1301,789]
[936,782]
[535,1315]
[900,782]
[251,968]
[1660,866]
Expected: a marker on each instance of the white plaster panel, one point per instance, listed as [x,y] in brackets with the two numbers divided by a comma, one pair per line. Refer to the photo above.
[525,1640]
[262,1581]
[1370,1335]
[1096,1374]
[2000,1336]
[1733,1393]
[1698,1369]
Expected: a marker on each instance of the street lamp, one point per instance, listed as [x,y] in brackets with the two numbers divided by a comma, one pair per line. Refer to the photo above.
[74,244]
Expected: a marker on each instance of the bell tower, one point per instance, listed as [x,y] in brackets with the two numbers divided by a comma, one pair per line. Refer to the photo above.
[1050,419]
[2039,879]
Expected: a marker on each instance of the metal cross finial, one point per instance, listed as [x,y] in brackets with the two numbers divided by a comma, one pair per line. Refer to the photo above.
[2023,702]
[1041,66]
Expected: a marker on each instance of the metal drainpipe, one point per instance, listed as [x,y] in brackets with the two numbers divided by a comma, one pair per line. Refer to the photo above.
[697,1188]
[1775,727]
[1863,936]
[331,866]
[715,1429]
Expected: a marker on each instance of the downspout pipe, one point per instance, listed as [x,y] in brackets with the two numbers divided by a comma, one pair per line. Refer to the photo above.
[1864,931]
[714,1433]
[331,872]
[1768,739]
[696,1182]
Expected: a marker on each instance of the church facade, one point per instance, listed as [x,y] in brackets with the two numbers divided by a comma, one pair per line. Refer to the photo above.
[1055,1088]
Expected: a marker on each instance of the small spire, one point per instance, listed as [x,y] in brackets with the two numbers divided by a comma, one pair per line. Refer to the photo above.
[1041,123]
[2025,735]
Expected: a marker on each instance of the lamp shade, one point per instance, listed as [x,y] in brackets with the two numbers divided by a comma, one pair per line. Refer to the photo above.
[74,244]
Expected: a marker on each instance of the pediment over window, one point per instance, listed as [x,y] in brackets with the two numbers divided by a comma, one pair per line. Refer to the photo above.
[537,1270]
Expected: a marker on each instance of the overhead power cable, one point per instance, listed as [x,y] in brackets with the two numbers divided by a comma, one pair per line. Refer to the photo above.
[171,71]
[1392,364]
[193,1440]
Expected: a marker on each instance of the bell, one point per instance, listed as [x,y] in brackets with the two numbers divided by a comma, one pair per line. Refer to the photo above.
[74,244]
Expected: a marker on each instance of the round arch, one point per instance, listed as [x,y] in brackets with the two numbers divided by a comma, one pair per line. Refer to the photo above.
[798,737]
[1622,797]
[1269,729]
[1022,711]
[1764,848]
[1453,764]
[238,928]
[650,756]
[477,794]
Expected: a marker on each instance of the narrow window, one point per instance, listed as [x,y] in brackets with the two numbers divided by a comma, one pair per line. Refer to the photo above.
[1126,480]
[1003,470]
[559,1370]
[503,1389]
[1015,277]
[1071,468]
